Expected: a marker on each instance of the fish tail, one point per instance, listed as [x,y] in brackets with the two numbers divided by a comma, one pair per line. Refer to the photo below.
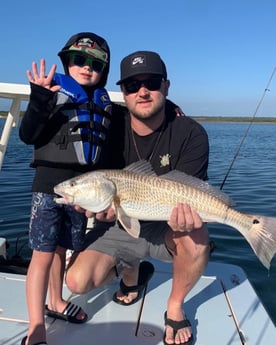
[262,238]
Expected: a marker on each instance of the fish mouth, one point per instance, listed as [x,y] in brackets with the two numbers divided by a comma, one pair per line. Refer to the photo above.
[67,200]
[63,198]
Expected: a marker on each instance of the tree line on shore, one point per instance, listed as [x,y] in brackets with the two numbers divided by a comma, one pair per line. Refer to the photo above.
[203,118]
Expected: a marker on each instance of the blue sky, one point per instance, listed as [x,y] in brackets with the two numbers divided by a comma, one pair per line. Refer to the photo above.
[220,54]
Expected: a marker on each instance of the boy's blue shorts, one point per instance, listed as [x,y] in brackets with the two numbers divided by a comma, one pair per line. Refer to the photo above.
[53,225]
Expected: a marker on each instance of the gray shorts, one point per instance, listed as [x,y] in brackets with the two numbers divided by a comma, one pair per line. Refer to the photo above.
[127,250]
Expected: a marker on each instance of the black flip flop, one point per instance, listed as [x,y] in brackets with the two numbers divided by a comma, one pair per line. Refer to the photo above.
[176,325]
[146,270]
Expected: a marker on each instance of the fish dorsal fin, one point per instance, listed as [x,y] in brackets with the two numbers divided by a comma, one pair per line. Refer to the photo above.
[179,176]
[141,167]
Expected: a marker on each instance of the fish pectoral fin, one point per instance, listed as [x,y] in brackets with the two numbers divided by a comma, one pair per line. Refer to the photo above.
[131,225]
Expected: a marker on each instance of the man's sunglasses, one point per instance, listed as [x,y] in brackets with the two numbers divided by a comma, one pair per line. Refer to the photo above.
[152,84]
[82,60]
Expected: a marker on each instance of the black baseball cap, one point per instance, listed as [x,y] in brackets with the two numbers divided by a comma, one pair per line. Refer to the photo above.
[142,62]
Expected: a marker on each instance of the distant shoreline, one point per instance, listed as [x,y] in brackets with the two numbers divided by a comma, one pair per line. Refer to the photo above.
[234,119]
[242,119]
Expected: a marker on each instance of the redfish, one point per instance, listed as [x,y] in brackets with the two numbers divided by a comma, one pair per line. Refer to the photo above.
[137,193]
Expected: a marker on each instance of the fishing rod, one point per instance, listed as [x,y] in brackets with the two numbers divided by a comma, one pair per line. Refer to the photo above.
[248,128]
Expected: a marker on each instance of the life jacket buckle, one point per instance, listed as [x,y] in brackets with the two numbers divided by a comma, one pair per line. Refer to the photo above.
[63,143]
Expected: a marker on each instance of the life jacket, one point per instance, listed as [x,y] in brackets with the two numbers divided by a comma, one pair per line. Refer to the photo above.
[81,126]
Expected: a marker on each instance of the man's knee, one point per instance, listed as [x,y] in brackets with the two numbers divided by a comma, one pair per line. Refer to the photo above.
[78,283]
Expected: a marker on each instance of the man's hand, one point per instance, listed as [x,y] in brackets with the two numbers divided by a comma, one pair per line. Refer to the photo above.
[39,77]
[183,218]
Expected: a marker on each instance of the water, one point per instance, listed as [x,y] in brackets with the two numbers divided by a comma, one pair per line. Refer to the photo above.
[251,183]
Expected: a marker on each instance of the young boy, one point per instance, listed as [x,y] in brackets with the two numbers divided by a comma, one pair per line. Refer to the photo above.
[67,121]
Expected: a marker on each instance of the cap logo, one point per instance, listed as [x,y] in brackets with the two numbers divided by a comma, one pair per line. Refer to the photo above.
[85,43]
[138,60]
[90,47]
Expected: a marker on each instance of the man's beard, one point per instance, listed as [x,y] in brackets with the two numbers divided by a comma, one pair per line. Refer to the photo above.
[148,115]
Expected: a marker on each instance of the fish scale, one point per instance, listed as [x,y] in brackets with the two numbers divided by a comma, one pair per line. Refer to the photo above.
[157,197]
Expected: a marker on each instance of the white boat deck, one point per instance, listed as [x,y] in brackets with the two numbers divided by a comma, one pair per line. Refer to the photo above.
[223,309]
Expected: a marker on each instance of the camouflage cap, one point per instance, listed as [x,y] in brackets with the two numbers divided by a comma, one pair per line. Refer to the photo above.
[89,44]
[90,48]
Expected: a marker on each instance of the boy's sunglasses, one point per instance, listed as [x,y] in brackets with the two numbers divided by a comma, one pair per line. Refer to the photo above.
[82,60]
[134,85]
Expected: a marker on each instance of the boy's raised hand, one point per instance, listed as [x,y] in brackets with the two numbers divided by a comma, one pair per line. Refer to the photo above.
[39,77]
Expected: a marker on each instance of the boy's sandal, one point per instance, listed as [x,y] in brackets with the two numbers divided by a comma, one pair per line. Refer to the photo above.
[69,313]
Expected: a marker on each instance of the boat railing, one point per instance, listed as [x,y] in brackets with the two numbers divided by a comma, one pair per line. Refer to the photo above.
[19,93]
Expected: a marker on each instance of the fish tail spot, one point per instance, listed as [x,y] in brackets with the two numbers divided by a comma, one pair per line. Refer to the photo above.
[256,221]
